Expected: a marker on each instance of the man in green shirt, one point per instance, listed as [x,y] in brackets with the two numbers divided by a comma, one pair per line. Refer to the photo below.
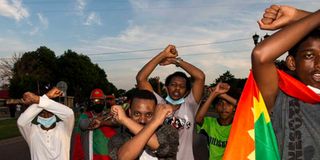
[217,129]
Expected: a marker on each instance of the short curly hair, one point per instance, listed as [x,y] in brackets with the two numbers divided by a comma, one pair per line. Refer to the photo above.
[178,74]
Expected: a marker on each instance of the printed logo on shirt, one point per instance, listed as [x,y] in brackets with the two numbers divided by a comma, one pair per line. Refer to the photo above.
[217,142]
[177,122]
[295,122]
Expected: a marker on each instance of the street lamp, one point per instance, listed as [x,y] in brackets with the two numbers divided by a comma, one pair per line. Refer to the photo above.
[256,37]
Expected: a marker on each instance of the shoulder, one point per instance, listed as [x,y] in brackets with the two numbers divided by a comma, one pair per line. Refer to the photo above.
[123,136]
[209,119]
[159,98]
[167,129]
[166,132]
[190,100]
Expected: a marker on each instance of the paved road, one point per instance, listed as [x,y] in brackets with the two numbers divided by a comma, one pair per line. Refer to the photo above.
[14,149]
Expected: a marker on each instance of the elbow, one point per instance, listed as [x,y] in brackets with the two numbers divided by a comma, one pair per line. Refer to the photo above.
[201,76]
[21,122]
[69,112]
[258,56]
[140,78]
[199,119]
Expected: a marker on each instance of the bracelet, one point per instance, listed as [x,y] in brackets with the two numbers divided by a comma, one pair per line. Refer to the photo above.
[178,61]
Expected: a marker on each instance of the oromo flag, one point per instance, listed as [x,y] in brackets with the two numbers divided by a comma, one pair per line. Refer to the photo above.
[251,136]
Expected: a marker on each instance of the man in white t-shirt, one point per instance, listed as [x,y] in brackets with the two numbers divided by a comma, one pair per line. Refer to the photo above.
[181,95]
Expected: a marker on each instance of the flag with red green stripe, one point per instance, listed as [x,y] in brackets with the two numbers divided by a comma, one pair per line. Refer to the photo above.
[251,136]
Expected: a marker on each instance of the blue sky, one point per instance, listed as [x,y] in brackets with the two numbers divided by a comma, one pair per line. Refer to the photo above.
[122,35]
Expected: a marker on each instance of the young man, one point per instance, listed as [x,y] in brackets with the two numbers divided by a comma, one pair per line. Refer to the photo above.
[217,129]
[46,126]
[181,95]
[93,132]
[145,136]
[294,103]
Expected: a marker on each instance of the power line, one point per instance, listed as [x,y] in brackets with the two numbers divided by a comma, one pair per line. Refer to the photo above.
[64,1]
[182,46]
[202,5]
[122,9]
[192,54]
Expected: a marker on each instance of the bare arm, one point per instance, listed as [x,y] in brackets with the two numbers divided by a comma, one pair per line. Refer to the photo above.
[279,16]
[266,52]
[100,121]
[132,148]
[218,90]
[133,126]
[229,99]
[199,79]
[205,107]
[144,73]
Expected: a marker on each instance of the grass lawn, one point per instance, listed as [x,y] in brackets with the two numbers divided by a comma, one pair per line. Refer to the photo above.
[9,129]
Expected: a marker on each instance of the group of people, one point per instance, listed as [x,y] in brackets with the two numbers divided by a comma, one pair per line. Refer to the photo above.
[155,127]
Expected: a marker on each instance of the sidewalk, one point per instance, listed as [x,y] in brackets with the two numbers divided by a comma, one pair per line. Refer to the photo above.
[11,140]
[14,149]
[4,118]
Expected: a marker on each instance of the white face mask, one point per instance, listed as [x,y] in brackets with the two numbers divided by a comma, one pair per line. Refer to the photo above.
[47,122]
[174,102]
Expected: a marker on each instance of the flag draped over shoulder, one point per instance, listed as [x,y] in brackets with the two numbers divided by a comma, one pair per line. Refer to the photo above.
[296,89]
[251,136]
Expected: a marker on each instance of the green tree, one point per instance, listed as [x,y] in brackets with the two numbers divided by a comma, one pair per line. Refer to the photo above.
[236,84]
[40,68]
[225,77]
[82,76]
[33,71]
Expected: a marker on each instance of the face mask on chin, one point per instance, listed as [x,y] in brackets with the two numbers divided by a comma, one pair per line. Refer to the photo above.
[98,108]
[47,122]
[314,89]
[174,102]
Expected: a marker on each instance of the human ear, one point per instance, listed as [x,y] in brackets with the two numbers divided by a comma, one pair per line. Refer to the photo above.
[129,111]
[291,63]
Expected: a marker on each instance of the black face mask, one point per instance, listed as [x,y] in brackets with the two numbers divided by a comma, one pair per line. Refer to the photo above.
[98,108]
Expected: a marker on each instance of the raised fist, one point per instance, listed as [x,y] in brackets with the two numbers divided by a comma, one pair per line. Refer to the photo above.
[30,98]
[276,17]
[54,92]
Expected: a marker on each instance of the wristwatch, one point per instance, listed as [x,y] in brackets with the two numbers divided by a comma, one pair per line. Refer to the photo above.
[178,61]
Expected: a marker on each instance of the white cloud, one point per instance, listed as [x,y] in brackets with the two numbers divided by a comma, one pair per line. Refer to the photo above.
[139,37]
[13,9]
[154,24]
[80,5]
[37,28]
[157,28]
[34,31]
[92,19]
[20,46]
[88,19]
[43,21]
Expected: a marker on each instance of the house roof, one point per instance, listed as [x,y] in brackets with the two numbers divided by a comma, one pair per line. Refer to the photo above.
[4,94]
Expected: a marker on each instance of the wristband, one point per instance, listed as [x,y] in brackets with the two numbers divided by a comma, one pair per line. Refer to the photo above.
[178,61]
